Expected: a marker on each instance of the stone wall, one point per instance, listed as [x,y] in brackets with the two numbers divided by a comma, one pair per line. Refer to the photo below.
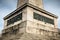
[19,32]
[14,32]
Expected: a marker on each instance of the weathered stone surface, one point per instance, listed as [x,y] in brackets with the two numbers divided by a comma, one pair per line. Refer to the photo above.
[29,28]
[37,3]
[22,34]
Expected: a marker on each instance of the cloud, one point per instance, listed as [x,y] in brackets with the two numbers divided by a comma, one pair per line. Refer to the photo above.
[6,7]
[8,3]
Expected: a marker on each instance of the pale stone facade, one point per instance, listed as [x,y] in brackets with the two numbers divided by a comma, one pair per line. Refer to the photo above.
[29,28]
[37,3]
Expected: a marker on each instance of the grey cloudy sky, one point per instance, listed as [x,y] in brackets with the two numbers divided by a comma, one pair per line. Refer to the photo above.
[7,6]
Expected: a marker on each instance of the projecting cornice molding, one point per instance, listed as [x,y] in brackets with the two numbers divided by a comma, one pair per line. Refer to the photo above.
[32,6]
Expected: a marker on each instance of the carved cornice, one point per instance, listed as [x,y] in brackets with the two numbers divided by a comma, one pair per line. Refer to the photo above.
[42,10]
[32,6]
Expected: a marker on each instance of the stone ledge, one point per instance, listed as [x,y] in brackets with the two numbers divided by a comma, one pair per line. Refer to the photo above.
[32,6]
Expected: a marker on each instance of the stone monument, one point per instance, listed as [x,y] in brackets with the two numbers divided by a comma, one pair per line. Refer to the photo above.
[30,22]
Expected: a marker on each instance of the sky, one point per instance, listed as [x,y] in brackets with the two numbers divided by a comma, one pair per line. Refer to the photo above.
[7,6]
